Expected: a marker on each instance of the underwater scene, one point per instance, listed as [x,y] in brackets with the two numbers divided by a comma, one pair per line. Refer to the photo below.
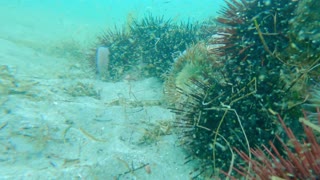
[160,89]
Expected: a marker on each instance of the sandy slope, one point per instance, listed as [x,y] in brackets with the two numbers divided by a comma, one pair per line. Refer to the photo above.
[56,122]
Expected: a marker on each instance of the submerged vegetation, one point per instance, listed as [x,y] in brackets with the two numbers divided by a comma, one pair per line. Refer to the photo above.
[82,89]
[10,85]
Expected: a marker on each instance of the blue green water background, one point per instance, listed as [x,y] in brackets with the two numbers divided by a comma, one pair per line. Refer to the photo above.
[48,20]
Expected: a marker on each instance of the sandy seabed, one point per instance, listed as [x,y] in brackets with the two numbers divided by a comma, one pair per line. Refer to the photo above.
[58,122]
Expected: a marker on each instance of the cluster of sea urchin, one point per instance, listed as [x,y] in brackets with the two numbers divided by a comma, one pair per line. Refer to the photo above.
[201,98]
[146,47]
[255,36]
[242,98]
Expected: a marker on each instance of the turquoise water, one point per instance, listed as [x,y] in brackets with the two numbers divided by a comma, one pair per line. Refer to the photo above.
[83,19]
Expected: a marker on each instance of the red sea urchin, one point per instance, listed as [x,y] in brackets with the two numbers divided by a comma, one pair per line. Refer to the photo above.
[302,161]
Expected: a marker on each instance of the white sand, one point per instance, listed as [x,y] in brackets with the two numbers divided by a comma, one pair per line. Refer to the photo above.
[49,131]
[58,122]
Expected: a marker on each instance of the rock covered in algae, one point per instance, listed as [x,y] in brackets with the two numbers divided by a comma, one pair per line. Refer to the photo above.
[304,49]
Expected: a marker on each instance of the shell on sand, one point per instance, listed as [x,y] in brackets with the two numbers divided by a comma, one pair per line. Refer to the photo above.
[102,61]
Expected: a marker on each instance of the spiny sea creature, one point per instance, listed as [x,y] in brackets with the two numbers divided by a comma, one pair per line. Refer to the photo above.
[301,159]
[251,87]
[145,47]
[254,30]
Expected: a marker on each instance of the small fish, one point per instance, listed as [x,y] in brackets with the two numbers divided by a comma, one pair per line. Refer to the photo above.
[165,2]
[102,62]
